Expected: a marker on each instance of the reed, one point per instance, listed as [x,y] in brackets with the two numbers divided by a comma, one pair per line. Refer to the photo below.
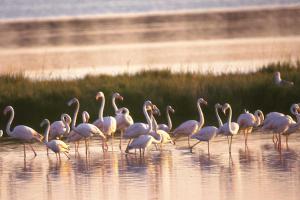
[35,100]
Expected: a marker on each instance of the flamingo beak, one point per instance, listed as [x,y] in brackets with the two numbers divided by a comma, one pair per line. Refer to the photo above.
[121,98]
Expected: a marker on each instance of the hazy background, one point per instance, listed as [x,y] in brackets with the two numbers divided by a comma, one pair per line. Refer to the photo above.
[69,39]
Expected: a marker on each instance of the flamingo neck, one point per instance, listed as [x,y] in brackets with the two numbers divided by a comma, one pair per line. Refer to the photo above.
[154,123]
[66,124]
[101,109]
[201,117]
[218,117]
[114,103]
[169,119]
[147,118]
[157,141]
[257,119]
[75,115]
[46,134]
[229,119]
[11,118]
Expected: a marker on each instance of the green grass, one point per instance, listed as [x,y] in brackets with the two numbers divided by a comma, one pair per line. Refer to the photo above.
[35,100]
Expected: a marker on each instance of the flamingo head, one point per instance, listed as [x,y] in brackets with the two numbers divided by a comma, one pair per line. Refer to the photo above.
[171,109]
[218,106]
[155,110]
[201,101]
[72,101]
[99,95]
[148,104]
[118,96]
[123,111]
[44,122]
[85,116]
[277,74]
[68,118]
[225,107]
[7,109]
[295,108]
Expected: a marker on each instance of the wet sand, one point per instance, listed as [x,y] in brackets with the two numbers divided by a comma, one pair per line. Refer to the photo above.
[198,41]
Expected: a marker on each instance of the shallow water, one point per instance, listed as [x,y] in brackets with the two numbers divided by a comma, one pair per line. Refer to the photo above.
[174,173]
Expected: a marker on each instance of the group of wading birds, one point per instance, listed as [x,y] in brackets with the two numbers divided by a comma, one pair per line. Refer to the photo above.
[142,135]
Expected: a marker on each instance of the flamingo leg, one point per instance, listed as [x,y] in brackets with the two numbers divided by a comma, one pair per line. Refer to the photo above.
[67,155]
[208,147]
[112,142]
[140,152]
[143,153]
[86,151]
[59,156]
[127,147]
[24,151]
[230,145]
[56,156]
[286,141]
[191,148]
[47,151]
[121,136]
[189,141]
[32,150]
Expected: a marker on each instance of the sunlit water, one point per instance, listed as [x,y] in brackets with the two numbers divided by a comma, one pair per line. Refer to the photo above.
[174,173]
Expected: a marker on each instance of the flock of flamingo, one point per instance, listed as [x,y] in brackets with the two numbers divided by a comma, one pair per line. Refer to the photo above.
[142,135]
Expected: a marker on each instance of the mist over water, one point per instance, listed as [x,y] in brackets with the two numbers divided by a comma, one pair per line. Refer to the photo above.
[12,9]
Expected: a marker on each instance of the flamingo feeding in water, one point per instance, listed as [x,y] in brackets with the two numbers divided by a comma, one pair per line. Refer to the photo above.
[139,128]
[57,146]
[190,127]
[21,132]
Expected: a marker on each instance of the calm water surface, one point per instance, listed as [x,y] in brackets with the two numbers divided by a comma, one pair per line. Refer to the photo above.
[256,173]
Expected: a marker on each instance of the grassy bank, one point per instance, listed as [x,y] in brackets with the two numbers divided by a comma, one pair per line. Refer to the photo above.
[36,100]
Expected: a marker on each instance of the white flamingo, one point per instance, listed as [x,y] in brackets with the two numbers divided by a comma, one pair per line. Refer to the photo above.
[75,137]
[270,119]
[61,127]
[165,137]
[248,120]
[190,127]
[230,128]
[207,133]
[108,125]
[284,124]
[144,141]
[21,132]
[280,82]
[123,118]
[86,130]
[56,145]
[167,128]
[139,128]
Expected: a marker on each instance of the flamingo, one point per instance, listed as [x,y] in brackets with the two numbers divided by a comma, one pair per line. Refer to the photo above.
[75,137]
[60,128]
[167,128]
[270,119]
[144,141]
[137,129]
[165,137]
[123,118]
[280,82]
[207,133]
[247,121]
[21,132]
[57,146]
[108,125]
[190,127]
[230,128]
[292,129]
[285,125]
[86,130]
